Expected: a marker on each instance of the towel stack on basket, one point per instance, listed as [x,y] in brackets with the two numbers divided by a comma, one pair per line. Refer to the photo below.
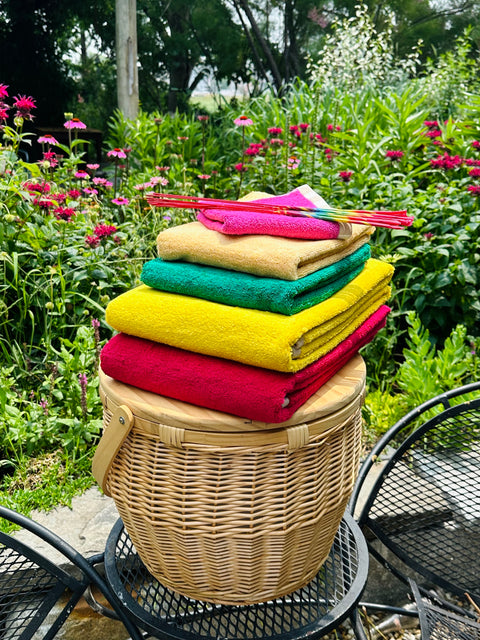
[251,325]
[232,396]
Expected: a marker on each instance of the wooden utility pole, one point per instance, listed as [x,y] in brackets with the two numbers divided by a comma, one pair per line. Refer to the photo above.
[126,50]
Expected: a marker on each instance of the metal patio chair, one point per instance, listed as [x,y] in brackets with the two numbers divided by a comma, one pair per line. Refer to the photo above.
[421,510]
[37,595]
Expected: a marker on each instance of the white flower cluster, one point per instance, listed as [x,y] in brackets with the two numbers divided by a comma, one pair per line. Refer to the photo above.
[354,56]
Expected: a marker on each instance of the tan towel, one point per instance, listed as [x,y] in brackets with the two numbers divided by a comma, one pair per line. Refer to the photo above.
[269,256]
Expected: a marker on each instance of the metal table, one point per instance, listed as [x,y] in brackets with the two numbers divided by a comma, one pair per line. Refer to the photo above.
[309,612]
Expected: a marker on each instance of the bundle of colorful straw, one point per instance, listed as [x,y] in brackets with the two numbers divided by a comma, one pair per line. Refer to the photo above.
[387,219]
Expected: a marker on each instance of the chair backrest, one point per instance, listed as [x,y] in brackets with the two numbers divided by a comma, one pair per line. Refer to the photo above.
[36,595]
[424,504]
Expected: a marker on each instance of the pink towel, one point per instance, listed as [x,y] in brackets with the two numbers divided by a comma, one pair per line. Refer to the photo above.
[224,385]
[233,222]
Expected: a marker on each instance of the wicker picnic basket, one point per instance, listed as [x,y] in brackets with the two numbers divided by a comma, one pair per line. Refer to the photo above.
[224,509]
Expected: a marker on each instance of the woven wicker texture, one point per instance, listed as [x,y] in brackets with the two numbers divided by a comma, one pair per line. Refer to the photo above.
[235,524]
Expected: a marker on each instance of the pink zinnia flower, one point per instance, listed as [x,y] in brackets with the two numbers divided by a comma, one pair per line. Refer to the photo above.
[243,121]
[346,176]
[47,139]
[474,189]
[394,155]
[116,153]
[24,105]
[121,201]
[82,175]
[89,191]
[74,123]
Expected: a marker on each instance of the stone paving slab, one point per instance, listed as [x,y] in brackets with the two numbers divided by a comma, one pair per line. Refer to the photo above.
[85,526]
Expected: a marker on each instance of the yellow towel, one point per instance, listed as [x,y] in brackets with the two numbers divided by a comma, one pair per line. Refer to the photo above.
[259,338]
[270,256]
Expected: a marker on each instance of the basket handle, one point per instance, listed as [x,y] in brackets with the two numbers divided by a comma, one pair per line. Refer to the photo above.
[112,439]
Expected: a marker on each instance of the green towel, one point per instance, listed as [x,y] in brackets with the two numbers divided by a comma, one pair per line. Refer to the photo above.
[239,289]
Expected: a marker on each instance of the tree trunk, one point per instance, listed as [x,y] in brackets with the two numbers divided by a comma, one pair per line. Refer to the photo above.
[126,49]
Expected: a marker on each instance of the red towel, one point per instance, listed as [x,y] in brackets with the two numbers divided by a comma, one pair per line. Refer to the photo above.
[224,385]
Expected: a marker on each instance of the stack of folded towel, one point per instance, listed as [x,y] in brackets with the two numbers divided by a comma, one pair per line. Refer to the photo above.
[249,314]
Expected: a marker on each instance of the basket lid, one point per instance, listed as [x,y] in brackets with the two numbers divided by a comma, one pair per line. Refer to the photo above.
[338,392]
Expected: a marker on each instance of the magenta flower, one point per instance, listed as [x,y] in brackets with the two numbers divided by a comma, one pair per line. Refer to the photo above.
[74,123]
[3,91]
[158,180]
[474,189]
[433,133]
[240,167]
[43,187]
[92,241]
[446,162]
[24,105]
[428,235]
[346,176]
[93,167]
[431,124]
[476,144]
[64,213]
[121,201]
[74,194]
[472,162]
[82,175]
[243,121]
[3,113]
[474,173]
[51,158]
[89,191]
[202,118]
[104,230]
[276,142]
[303,126]
[116,153]
[47,139]
[394,155]
[275,131]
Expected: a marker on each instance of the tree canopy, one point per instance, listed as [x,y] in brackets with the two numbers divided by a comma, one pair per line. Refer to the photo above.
[63,53]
